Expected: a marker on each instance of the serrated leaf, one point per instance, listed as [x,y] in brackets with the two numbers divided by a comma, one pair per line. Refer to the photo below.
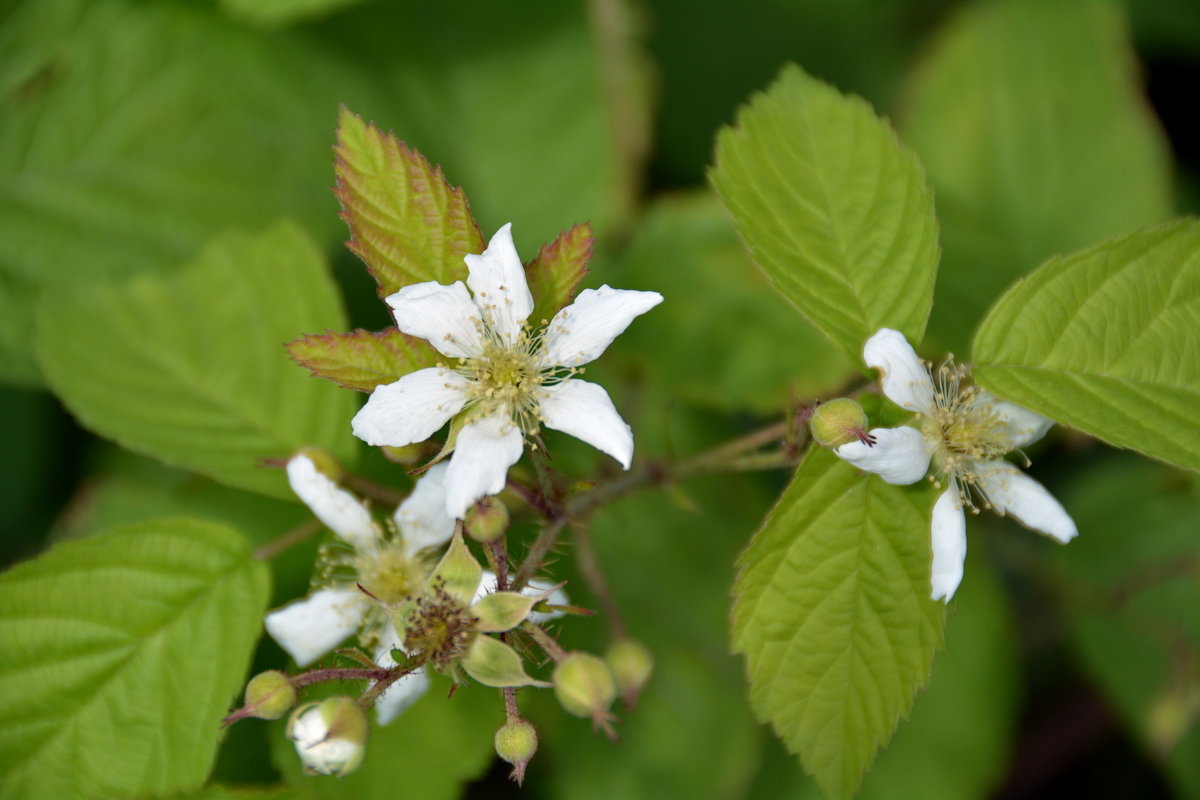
[1032,123]
[192,370]
[407,224]
[120,153]
[555,272]
[361,359]
[832,207]
[832,610]
[119,655]
[1105,340]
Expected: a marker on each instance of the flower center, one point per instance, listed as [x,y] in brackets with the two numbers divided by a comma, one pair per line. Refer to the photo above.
[439,630]
[389,574]
[965,431]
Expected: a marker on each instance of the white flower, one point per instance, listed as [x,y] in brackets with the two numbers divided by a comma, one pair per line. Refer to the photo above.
[508,378]
[389,567]
[963,433]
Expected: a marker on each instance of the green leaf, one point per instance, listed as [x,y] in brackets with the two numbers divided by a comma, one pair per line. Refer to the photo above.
[502,611]
[1032,123]
[407,223]
[1104,340]
[119,655]
[555,272]
[458,573]
[361,359]
[120,153]
[193,371]
[833,208]
[434,748]
[493,663]
[758,352]
[832,610]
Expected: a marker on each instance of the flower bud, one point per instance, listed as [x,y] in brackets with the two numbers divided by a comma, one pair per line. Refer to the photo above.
[487,520]
[516,742]
[330,735]
[838,422]
[406,455]
[631,665]
[269,695]
[584,686]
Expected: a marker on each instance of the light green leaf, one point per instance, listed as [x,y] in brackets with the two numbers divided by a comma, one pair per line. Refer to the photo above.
[190,368]
[1105,340]
[119,655]
[458,573]
[758,352]
[429,752]
[493,663]
[361,359]
[502,611]
[833,208]
[407,224]
[832,610]
[1030,118]
[555,272]
[119,151]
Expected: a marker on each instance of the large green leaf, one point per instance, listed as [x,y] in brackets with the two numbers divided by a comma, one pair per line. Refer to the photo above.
[120,152]
[119,654]
[758,352]
[190,367]
[832,610]
[1134,603]
[1105,340]
[833,208]
[1030,119]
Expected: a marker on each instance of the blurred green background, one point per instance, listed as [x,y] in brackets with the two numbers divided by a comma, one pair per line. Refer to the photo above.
[131,133]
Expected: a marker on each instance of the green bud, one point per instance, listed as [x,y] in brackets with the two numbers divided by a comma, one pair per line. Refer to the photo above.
[406,455]
[330,735]
[631,665]
[838,422]
[487,520]
[584,686]
[269,695]
[516,742]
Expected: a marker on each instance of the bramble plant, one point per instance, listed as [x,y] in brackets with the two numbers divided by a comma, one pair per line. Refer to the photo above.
[276,591]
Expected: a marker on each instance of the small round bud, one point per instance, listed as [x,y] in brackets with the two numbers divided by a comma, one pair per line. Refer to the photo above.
[631,665]
[839,422]
[516,742]
[269,695]
[584,685]
[406,454]
[487,520]
[330,735]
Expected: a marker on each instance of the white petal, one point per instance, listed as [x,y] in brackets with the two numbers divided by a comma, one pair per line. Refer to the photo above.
[583,330]
[412,409]
[1011,491]
[1023,426]
[487,585]
[904,378]
[338,510]
[397,698]
[484,451]
[309,628]
[497,279]
[585,411]
[422,517]
[899,455]
[443,315]
[948,536]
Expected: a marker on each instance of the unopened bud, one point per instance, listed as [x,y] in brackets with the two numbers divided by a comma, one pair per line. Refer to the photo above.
[487,520]
[406,454]
[330,735]
[516,742]
[269,695]
[631,665]
[584,686]
[839,422]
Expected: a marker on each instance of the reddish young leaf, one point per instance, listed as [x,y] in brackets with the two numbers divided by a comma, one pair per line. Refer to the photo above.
[407,224]
[557,269]
[361,359]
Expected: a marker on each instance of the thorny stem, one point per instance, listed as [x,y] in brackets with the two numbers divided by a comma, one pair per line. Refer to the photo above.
[544,640]
[593,575]
[510,703]
[287,540]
